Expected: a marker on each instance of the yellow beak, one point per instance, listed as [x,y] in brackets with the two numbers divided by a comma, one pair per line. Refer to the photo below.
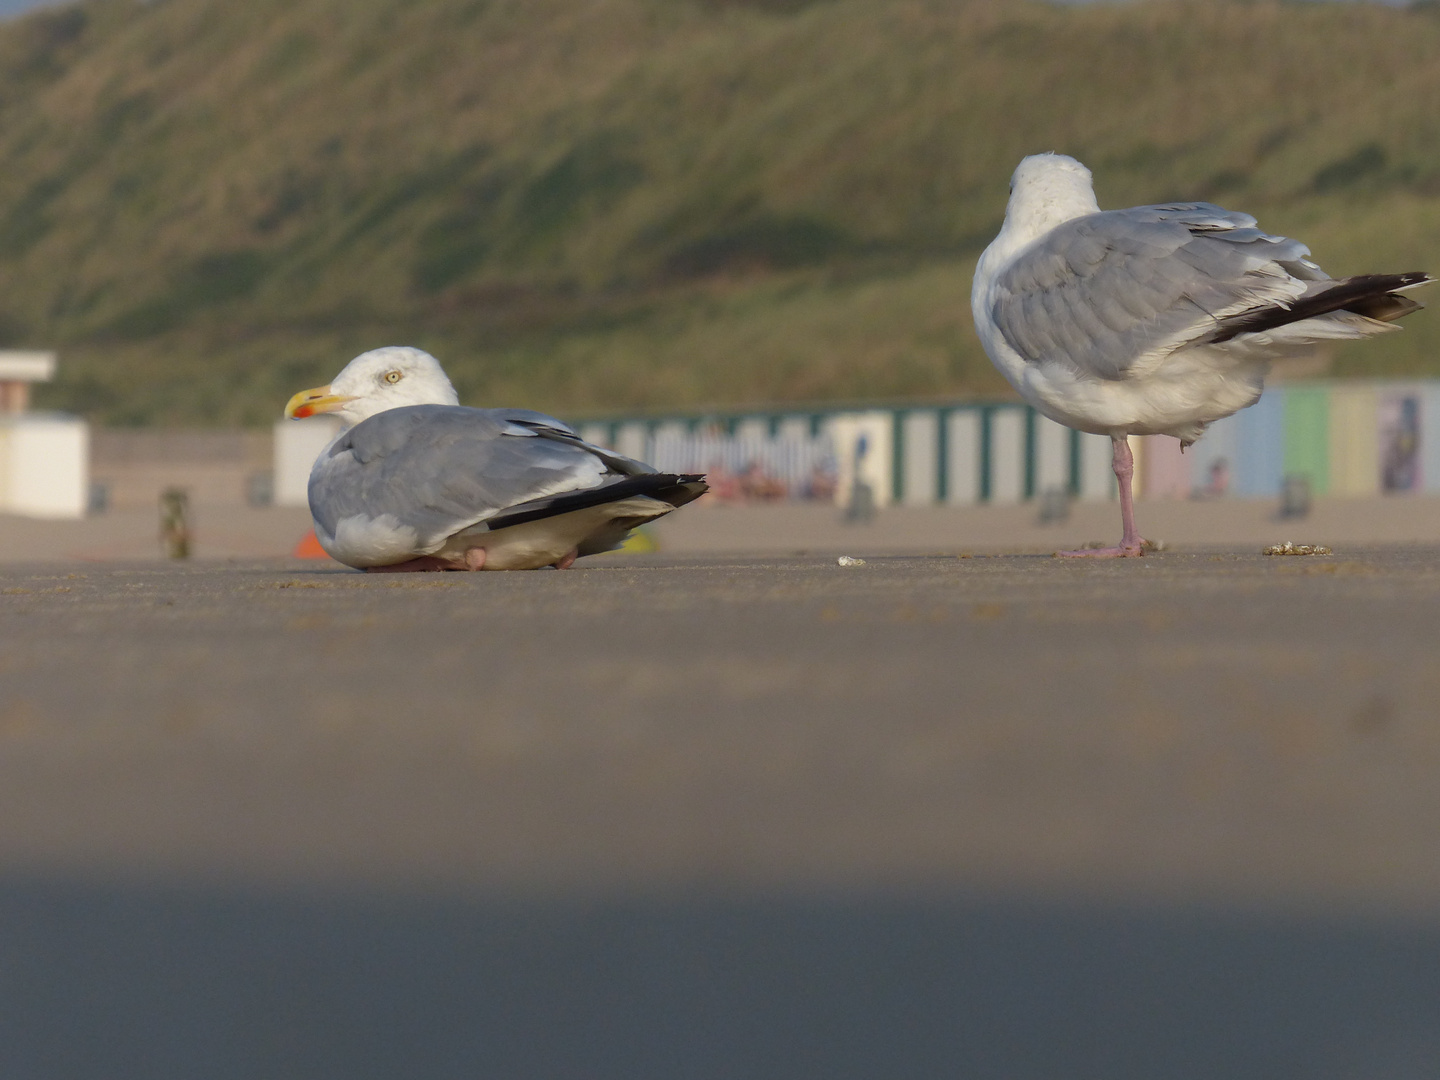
[310,402]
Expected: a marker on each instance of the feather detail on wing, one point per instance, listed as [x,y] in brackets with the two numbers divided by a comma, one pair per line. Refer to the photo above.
[1372,296]
[1103,291]
[548,427]
[437,469]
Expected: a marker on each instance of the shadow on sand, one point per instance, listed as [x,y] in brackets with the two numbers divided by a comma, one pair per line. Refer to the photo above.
[109,982]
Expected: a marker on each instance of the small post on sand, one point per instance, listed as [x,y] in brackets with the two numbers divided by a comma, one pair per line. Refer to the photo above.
[174,526]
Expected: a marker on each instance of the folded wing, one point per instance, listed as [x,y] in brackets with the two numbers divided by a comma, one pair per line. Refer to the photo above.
[438,469]
[1103,291]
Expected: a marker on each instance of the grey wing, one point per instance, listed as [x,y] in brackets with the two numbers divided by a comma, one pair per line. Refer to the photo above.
[1101,291]
[438,468]
[547,427]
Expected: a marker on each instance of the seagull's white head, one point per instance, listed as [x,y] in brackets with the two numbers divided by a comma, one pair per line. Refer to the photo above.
[1048,190]
[375,381]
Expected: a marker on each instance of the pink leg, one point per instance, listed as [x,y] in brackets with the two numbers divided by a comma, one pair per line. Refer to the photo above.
[475,559]
[569,559]
[1130,542]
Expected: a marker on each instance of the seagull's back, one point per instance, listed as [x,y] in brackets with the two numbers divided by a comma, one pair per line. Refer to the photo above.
[1155,319]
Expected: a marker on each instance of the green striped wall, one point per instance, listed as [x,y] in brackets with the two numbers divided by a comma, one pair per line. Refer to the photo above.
[1307,435]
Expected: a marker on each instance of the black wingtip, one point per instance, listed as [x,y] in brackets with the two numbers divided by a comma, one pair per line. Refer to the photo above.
[1374,296]
[675,488]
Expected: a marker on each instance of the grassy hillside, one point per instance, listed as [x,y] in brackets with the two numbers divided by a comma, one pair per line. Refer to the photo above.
[584,205]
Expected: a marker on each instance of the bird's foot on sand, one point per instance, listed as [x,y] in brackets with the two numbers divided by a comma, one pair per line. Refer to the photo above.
[1123,550]
[568,560]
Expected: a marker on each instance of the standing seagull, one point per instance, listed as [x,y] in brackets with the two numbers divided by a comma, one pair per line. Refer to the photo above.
[1157,320]
[413,481]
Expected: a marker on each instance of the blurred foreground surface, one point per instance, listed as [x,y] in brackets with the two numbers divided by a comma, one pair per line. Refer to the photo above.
[714,817]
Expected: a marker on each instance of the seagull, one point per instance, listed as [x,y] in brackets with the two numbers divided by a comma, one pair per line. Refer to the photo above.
[1157,320]
[415,481]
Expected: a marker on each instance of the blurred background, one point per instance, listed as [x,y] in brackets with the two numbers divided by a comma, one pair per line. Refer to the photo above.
[253,828]
[745,219]
[640,204]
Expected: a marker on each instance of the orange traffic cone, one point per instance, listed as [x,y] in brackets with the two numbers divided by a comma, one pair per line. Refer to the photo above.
[309,548]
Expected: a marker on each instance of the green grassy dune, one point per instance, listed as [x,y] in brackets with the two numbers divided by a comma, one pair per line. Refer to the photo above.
[592,205]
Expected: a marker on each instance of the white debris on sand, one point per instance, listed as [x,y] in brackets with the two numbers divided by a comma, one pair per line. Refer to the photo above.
[1288,548]
[850,560]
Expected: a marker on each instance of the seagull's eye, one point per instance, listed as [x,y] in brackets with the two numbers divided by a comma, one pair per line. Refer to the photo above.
[392,377]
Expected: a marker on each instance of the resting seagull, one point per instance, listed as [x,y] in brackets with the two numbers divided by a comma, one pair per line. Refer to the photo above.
[413,481]
[1157,320]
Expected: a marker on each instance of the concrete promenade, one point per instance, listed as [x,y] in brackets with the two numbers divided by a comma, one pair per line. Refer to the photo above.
[720,815]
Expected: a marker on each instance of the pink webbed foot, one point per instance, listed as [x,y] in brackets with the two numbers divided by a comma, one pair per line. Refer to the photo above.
[568,560]
[475,558]
[1119,551]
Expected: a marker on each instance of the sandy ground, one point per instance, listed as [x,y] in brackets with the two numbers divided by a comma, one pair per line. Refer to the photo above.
[223,532]
[1249,729]
[1235,523]
[717,815]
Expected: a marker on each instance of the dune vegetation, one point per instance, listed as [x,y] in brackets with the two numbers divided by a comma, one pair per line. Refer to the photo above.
[605,205]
